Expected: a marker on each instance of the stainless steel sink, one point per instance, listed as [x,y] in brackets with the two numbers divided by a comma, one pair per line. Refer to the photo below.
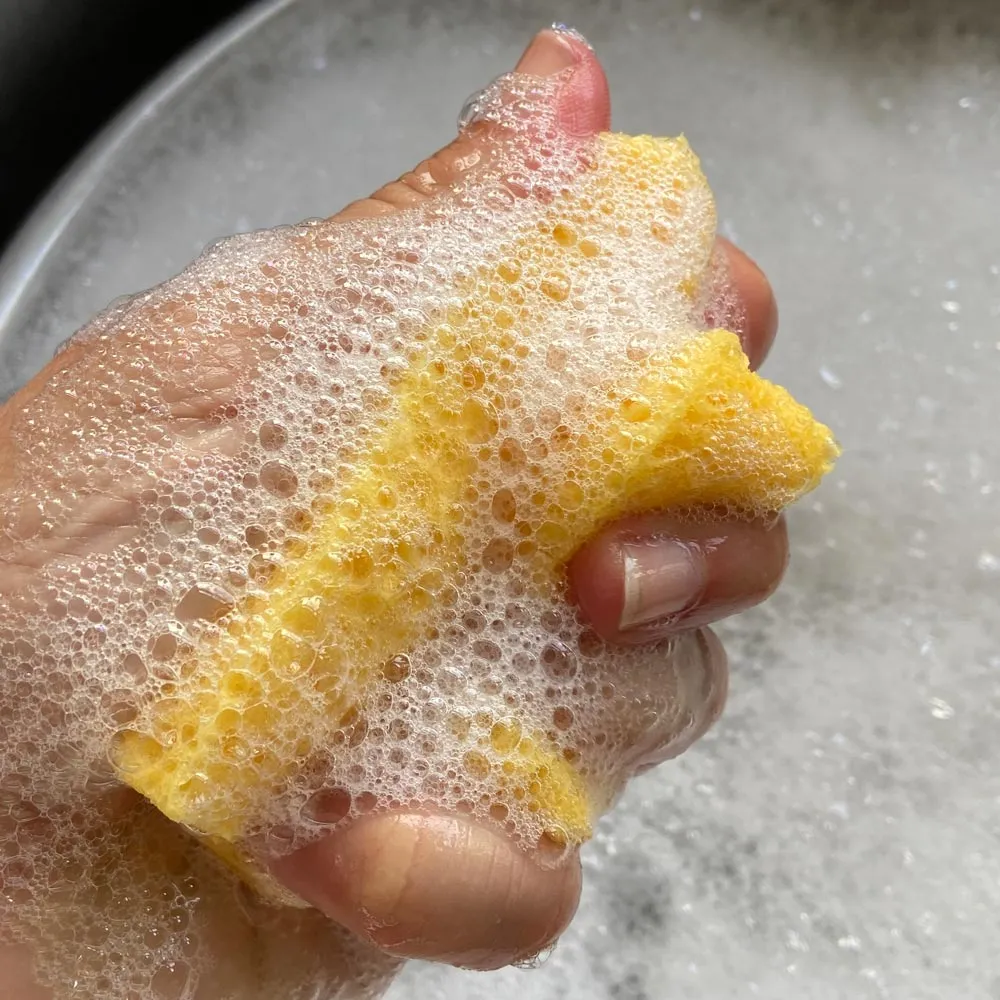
[838,835]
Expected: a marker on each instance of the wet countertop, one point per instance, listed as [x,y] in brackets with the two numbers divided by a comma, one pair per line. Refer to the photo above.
[838,834]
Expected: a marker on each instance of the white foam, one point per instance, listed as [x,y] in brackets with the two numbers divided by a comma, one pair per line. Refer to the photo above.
[211,421]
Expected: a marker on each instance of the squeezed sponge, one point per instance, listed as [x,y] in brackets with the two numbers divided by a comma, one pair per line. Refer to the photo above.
[497,449]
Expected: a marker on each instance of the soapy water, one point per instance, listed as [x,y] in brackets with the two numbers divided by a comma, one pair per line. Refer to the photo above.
[249,397]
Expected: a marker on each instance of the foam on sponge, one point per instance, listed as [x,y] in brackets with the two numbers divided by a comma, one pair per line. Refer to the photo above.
[344,589]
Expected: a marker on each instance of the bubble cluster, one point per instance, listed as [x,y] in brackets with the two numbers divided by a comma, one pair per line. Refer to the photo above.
[289,546]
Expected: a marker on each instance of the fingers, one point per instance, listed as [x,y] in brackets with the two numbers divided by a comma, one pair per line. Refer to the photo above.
[436,887]
[657,701]
[685,698]
[583,108]
[444,888]
[584,101]
[754,315]
[649,576]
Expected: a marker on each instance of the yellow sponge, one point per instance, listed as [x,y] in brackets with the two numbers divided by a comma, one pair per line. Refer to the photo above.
[682,424]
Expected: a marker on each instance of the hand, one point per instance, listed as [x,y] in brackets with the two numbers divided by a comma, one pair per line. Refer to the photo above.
[436,887]
[427,886]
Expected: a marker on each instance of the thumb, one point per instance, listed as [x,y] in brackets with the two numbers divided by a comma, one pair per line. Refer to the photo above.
[583,107]
[434,886]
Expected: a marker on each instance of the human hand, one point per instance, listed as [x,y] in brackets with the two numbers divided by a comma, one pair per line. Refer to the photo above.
[428,886]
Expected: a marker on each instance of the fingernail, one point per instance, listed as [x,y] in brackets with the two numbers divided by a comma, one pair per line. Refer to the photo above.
[662,577]
[550,52]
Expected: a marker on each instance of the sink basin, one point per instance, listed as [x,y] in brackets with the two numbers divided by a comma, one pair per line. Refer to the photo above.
[837,834]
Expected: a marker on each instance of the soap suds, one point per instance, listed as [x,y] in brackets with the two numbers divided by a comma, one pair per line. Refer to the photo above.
[425,384]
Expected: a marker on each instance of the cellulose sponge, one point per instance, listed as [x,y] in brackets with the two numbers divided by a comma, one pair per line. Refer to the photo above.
[512,374]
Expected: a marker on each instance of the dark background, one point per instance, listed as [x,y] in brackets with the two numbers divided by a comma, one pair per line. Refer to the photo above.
[66,67]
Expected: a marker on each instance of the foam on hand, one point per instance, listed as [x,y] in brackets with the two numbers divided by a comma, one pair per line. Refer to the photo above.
[342,588]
